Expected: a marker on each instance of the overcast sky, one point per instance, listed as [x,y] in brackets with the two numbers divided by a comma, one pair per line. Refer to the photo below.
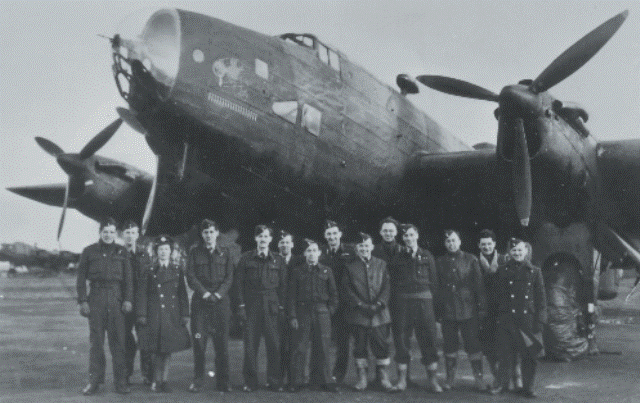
[56,82]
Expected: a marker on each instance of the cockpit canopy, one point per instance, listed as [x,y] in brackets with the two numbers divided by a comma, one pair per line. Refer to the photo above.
[328,56]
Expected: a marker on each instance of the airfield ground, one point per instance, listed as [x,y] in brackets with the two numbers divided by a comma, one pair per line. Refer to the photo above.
[44,358]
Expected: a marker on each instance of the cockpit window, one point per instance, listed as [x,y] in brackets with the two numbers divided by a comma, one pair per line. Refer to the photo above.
[301,39]
[327,55]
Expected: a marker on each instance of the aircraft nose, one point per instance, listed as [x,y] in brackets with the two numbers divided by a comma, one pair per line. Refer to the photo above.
[155,43]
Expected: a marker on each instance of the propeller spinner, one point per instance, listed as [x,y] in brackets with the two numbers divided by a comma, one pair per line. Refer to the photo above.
[73,164]
[562,67]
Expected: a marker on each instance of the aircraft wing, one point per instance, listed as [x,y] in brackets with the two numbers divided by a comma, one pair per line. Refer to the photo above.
[53,194]
[457,188]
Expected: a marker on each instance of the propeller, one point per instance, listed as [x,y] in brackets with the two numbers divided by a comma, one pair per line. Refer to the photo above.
[514,100]
[152,196]
[73,164]
[457,87]
[522,175]
[578,54]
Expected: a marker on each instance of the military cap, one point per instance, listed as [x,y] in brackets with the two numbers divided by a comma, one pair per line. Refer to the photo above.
[163,240]
[129,224]
[283,234]
[310,242]
[513,242]
[363,237]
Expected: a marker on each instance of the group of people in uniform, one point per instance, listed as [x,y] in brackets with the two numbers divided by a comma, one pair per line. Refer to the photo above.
[376,295]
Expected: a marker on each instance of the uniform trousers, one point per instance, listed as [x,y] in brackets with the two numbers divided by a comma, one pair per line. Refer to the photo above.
[210,320]
[488,335]
[510,344]
[105,305]
[411,314]
[262,320]
[377,337]
[342,331]
[286,349]
[468,329]
[314,327]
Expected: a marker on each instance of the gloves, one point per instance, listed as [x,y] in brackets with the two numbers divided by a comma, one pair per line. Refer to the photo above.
[294,323]
[84,309]
[242,315]
[185,320]
[142,321]
[127,307]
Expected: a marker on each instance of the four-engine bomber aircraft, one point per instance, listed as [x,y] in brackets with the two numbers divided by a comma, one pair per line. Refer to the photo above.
[249,128]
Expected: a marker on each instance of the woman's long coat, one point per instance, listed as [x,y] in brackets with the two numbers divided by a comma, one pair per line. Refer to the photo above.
[162,300]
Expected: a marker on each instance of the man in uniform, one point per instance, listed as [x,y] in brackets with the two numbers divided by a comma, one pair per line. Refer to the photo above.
[313,297]
[106,265]
[414,281]
[461,304]
[262,279]
[367,284]
[489,260]
[138,259]
[210,275]
[521,305]
[285,248]
[337,255]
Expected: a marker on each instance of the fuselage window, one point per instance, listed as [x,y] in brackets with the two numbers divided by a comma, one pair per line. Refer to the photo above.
[262,69]
[334,60]
[198,56]
[287,110]
[311,118]
[323,53]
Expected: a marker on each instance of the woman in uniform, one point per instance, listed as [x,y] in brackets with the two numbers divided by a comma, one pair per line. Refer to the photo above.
[162,311]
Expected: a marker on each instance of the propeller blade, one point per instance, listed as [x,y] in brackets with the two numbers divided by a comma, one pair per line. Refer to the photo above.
[49,146]
[578,54]
[152,195]
[522,175]
[100,139]
[457,87]
[131,119]
[64,210]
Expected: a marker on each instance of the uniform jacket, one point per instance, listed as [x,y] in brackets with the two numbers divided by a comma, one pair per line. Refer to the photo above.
[105,262]
[311,285]
[337,261]
[520,294]
[367,284]
[461,292]
[139,261]
[162,300]
[259,275]
[489,271]
[210,271]
[413,274]
[386,251]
